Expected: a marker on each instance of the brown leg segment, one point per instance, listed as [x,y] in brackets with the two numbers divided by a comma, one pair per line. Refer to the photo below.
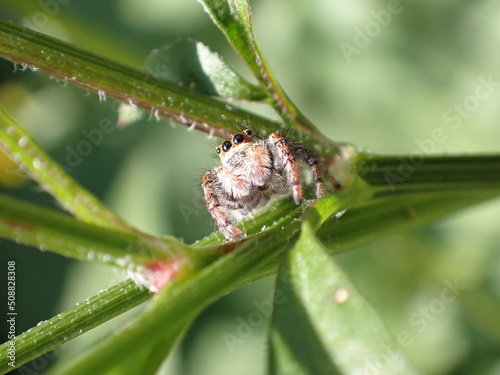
[312,161]
[319,169]
[228,229]
[291,167]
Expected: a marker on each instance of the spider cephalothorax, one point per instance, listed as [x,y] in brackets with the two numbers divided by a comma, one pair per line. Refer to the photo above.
[253,170]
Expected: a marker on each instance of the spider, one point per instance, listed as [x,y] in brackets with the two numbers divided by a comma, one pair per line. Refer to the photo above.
[252,171]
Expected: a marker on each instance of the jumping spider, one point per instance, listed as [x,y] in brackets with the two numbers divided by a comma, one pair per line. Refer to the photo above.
[253,170]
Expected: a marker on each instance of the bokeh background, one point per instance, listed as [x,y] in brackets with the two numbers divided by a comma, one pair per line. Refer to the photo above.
[385,76]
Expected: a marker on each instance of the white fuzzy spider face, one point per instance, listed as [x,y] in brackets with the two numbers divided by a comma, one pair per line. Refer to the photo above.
[246,163]
[253,170]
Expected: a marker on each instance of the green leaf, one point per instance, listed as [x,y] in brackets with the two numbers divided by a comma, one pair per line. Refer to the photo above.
[321,324]
[320,210]
[234,19]
[193,65]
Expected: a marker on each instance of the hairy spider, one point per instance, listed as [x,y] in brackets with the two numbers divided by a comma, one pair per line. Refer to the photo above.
[253,170]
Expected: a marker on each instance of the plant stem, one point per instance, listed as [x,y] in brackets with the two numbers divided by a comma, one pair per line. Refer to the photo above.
[50,230]
[258,255]
[51,177]
[114,80]
[70,324]
[160,98]
[392,175]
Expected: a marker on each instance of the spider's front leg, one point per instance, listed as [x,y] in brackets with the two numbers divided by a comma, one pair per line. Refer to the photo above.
[286,157]
[212,201]
[312,161]
[318,168]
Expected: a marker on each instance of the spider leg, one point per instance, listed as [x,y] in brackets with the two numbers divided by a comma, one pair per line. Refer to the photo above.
[290,165]
[337,185]
[319,169]
[228,229]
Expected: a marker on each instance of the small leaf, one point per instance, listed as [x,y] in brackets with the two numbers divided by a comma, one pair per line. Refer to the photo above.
[193,65]
[324,208]
[322,325]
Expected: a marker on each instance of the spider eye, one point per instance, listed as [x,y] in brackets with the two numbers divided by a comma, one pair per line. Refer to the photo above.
[248,131]
[238,138]
[226,146]
[217,149]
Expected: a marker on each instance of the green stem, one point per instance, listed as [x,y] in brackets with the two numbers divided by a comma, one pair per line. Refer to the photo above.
[182,300]
[280,101]
[234,19]
[114,80]
[411,174]
[118,81]
[72,323]
[258,256]
[51,177]
[50,230]
[383,217]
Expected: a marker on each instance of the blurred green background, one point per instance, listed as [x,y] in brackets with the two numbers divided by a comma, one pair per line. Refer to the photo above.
[389,77]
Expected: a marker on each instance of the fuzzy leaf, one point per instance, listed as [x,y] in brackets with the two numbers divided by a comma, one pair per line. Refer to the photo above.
[193,65]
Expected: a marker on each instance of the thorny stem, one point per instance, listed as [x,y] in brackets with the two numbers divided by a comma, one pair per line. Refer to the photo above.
[114,80]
